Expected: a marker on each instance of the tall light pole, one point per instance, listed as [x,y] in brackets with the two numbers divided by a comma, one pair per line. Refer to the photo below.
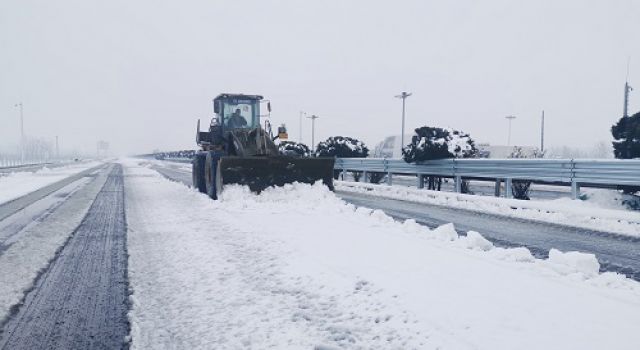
[300,135]
[627,90]
[21,131]
[542,133]
[313,131]
[403,96]
[510,118]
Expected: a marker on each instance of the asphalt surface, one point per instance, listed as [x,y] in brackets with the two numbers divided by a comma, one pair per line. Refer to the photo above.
[81,300]
[615,252]
[487,188]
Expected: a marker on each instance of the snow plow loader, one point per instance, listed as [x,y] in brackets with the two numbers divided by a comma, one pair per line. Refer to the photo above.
[236,149]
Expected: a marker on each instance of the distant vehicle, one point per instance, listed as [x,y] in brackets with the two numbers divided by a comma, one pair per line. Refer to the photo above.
[236,149]
[390,147]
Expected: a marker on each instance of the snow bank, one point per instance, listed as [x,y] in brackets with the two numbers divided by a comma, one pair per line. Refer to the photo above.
[17,184]
[563,212]
[574,262]
[298,268]
[474,240]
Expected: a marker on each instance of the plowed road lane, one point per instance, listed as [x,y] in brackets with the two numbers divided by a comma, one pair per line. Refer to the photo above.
[80,300]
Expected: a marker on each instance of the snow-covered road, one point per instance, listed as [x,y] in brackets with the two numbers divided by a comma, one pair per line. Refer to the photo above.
[297,267]
[20,182]
[502,223]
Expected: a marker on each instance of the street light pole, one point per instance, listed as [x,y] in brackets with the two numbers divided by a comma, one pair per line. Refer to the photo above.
[510,118]
[313,131]
[21,131]
[542,134]
[403,96]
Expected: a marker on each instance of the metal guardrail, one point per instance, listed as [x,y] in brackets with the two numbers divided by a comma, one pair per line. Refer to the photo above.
[177,160]
[597,173]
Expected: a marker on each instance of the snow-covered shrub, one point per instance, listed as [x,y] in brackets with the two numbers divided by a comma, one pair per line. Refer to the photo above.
[626,133]
[293,149]
[343,147]
[437,143]
[375,177]
[430,143]
[520,188]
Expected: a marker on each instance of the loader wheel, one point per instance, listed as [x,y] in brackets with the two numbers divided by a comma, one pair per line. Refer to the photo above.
[213,183]
[197,173]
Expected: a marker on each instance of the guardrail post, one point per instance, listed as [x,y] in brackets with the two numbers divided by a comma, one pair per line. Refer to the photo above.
[575,186]
[497,190]
[507,188]
[575,190]
[420,181]
[364,176]
[344,172]
[458,183]
[388,171]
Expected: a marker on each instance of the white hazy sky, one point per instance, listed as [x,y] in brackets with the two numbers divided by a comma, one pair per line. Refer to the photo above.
[139,73]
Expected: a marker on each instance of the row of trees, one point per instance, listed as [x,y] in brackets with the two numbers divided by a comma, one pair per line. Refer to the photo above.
[35,150]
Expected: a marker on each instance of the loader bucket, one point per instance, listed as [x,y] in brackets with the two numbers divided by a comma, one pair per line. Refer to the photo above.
[260,173]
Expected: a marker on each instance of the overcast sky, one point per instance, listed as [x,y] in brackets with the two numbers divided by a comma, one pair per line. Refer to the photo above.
[139,73]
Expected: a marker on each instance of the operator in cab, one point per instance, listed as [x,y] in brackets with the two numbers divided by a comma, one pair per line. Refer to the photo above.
[236,120]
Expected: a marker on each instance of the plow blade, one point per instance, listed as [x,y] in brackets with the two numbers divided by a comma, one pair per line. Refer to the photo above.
[260,173]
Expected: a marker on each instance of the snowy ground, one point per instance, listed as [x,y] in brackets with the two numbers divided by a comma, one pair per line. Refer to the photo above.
[19,183]
[561,211]
[298,268]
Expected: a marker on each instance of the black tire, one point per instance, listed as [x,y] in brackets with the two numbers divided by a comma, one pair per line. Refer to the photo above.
[212,177]
[197,173]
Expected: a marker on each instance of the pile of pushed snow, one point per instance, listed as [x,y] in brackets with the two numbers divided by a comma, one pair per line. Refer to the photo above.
[601,198]
[574,262]
[303,198]
[578,214]
[296,267]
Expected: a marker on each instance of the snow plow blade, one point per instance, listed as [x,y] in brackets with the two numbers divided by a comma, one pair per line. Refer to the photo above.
[260,173]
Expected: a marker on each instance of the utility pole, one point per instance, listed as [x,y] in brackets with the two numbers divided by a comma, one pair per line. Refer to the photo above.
[403,96]
[542,133]
[625,109]
[627,90]
[21,131]
[313,130]
[300,135]
[510,118]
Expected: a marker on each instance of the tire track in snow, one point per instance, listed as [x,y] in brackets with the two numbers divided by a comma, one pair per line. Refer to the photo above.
[80,301]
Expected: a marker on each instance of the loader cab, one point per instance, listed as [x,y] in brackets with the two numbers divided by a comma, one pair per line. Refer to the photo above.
[237,111]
